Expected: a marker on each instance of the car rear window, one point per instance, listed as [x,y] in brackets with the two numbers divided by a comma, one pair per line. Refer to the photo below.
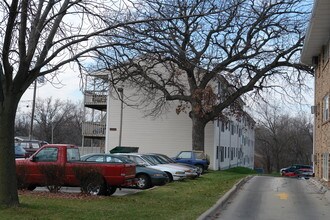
[200,155]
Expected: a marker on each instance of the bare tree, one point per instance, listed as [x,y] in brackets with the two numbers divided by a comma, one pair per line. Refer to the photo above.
[247,45]
[58,121]
[283,140]
[38,38]
[22,124]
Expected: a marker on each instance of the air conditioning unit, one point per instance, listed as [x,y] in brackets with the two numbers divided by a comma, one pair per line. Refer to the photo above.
[313,109]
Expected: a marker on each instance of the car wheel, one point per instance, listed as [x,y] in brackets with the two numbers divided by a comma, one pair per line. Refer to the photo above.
[143,181]
[201,168]
[96,188]
[170,177]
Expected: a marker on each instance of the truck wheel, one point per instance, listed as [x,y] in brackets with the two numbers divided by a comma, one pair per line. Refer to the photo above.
[31,187]
[96,188]
[111,190]
[143,181]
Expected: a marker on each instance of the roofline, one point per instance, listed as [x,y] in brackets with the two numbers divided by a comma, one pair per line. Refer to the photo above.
[318,31]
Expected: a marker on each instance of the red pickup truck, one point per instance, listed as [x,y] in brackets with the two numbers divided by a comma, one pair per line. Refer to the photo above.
[66,158]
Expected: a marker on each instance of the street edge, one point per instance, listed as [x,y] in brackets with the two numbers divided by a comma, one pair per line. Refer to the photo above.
[321,188]
[223,200]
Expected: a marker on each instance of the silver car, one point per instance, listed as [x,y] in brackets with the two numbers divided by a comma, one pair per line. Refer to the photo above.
[190,171]
[174,173]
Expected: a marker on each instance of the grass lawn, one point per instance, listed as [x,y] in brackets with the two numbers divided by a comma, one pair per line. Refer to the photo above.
[178,200]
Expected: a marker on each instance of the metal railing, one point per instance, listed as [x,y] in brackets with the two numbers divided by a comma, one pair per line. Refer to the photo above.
[93,129]
[95,98]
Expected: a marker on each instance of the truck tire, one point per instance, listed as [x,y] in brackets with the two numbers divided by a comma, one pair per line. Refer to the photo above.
[143,182]
[111,190]
[31,187]
[96,188]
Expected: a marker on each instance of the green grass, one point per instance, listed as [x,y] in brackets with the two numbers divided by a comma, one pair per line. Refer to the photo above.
[179,200]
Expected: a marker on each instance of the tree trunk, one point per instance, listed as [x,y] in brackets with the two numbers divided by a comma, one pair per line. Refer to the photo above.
[8,181]
[198,133]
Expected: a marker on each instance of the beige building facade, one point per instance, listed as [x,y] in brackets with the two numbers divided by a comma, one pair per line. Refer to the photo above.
[316,53]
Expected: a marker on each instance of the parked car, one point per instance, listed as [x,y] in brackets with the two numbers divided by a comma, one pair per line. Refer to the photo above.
[20,152]
[146,177]
[196,158]
[173,173]
[302,172]
[30,146]
[191,172]
[170,160]
[293,168]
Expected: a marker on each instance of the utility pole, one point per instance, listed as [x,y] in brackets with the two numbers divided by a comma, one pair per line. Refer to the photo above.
[33,107]
[121,91]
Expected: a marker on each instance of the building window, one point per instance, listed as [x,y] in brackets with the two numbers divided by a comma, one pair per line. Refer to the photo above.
[222,126]
[222,154]
[326,108]
[326,53]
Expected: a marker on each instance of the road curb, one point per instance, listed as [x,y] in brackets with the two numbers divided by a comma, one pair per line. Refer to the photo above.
[222,201]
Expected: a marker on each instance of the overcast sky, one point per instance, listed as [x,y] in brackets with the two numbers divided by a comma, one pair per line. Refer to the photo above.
[69,90]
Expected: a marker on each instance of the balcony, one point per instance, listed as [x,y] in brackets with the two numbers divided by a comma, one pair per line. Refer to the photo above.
[93,129]
[96,100]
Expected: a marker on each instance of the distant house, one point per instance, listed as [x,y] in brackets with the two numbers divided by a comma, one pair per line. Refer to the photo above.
[316,52]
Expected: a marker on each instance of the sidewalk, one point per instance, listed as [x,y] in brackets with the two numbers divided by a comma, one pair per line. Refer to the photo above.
[323,189]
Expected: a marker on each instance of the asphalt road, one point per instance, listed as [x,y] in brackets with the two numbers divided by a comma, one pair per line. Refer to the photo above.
[276,198]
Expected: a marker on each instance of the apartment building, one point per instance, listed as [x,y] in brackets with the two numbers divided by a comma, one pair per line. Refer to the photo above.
[228,143]
[316,53]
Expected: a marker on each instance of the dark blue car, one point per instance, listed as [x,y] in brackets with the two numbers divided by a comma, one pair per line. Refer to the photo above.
[196,158]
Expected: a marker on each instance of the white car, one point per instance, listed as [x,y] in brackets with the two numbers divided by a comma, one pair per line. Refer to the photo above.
[172,172]
[190,171]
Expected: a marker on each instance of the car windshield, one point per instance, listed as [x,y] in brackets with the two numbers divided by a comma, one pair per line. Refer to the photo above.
[155,159]
[149,159]
[125,159]
[165,158]
[138,160]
